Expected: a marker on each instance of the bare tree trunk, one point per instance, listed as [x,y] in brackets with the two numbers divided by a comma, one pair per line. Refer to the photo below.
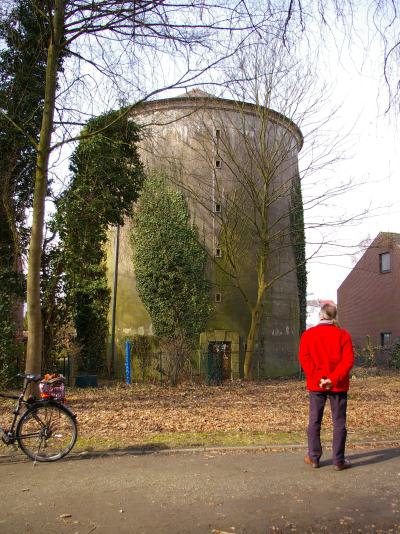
[256,315]
[251,340]
[34,347]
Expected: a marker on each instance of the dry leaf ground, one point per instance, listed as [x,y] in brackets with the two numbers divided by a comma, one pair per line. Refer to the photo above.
[271,412]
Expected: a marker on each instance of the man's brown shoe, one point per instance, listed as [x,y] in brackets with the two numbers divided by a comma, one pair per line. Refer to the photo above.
[343,465]
[311,462]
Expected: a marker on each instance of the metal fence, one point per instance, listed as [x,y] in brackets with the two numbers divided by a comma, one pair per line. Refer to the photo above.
[210,366]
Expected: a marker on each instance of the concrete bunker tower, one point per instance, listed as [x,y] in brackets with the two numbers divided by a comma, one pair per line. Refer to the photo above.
[237,164]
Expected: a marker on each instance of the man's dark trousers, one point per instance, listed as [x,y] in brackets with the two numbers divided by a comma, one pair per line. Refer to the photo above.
[338,403]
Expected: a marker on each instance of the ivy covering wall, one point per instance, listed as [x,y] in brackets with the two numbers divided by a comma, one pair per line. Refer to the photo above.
[170,264]
[107,176]
[297,236]
[12,288]
[170,268]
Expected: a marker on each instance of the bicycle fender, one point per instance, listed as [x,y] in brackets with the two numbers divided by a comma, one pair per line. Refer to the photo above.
[52,402]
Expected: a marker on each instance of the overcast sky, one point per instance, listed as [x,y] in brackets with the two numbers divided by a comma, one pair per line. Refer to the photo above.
[372,164]
[371,160]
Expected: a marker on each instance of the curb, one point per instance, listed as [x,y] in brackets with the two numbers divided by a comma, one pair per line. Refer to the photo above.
[83,455]
[247,448]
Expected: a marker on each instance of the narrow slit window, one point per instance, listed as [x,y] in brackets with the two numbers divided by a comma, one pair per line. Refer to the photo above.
[218,252]
[218,297]
[218,163]
[217,134]
[217,208]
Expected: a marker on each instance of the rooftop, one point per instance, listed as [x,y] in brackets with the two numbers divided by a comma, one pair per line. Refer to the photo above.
[196,93]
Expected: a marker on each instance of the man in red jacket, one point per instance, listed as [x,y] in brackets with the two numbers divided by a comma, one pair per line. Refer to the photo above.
[326,356]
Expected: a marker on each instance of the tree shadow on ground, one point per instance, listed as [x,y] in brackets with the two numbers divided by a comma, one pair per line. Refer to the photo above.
[359,459]
[134,450]
[17,456]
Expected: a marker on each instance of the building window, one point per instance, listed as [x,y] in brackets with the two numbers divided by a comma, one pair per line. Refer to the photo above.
[218,297]
[218,253]
[386,338]
[217,208]
[384,262]
[218,163]
[217,134]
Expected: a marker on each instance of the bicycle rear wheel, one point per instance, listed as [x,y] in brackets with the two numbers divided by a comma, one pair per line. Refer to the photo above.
[46,432]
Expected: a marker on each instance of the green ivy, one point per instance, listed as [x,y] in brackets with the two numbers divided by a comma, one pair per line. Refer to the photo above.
[170,264]
[23,36]
[297,236]
[9,347]
[107,176]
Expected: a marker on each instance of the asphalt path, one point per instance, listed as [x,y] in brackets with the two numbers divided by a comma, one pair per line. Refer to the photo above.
[208,491]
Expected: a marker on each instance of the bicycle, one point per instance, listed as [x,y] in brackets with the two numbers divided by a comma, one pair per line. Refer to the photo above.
[44,429]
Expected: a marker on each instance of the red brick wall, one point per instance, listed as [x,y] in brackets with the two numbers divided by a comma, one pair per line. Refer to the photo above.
[368,300]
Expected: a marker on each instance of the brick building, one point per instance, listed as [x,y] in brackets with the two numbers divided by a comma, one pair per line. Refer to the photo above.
[368,299]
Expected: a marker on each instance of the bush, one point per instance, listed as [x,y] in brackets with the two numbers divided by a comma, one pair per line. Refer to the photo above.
[394,355]
[177,354]
[371,357]
[142,348]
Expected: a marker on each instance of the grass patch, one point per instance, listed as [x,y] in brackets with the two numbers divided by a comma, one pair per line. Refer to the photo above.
[182,440]
[188,440]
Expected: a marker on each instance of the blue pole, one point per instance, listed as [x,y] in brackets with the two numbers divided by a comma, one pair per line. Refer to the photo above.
[128,361]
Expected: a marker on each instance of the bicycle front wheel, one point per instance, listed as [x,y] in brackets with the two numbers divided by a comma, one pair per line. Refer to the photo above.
[46,432]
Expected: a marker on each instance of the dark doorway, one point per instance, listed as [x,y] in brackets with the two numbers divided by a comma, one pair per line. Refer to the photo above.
[219,361]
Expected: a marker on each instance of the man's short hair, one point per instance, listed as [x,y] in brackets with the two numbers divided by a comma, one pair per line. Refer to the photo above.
[328,312]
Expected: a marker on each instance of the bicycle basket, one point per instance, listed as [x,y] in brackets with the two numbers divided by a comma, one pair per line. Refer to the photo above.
[52,387]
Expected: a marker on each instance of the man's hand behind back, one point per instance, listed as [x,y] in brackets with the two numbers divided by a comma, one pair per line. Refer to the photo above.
[325,383]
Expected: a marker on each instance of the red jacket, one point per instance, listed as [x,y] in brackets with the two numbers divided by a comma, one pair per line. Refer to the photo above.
[326,351]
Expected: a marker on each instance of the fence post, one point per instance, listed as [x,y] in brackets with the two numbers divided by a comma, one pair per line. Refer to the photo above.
[68,369]
[160,366]
[128,361]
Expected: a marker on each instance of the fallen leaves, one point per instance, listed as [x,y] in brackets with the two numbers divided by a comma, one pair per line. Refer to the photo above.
[269,406]
[142,409]
[128,414]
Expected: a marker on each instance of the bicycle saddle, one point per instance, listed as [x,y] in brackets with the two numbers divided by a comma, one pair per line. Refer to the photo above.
[30,377]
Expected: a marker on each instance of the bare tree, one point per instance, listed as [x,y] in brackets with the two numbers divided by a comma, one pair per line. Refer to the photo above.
[362,246]
[108,48]
[360,22]
[103,45]
[239,169]
[262,215]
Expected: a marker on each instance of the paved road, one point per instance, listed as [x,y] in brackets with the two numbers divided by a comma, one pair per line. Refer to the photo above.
[201,492]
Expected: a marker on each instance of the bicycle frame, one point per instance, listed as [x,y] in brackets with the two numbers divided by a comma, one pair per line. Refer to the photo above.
[8,436]
[44,429]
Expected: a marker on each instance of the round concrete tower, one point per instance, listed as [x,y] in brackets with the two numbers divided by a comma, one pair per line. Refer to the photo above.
[237,165]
